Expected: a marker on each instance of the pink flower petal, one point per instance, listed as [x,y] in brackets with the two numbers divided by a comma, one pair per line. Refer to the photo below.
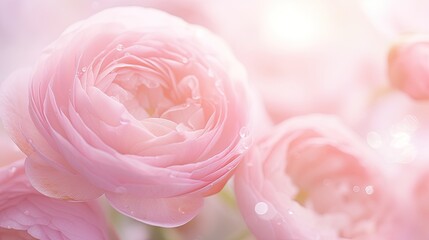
[164,212]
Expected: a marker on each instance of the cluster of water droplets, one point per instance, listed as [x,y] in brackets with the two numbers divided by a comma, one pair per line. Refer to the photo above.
[397,144]
[369,190]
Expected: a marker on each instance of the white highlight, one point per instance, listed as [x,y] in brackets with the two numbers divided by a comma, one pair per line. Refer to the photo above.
[294,24]
[261,208]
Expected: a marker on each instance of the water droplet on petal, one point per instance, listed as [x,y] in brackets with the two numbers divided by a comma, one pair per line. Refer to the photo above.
[181,210]
[290,212]
[84,69]
[356,189]
[369,190]
[261,208]
[186,105]
[244,132]
[119,47]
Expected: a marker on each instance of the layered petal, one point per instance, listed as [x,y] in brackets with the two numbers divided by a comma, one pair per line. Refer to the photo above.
[136,104]
[27,214]
[311,178]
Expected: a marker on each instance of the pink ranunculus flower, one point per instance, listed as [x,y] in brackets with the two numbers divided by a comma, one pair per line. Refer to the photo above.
[409,67]
[135,104]
[27,214]
[311,178]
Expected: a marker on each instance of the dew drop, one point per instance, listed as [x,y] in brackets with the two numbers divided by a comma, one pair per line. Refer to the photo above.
[261,208]
[119,47]
[84,69]
[244,132]
[186,105]
[290,212]
[356,189]
[181,210]
[369,190]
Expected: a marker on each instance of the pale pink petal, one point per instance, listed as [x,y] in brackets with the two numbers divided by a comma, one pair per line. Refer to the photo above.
[164,212]
[54,181]
[26,214]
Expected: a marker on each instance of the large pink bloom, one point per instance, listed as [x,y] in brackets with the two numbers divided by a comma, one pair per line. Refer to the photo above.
[26,214]
[311,178]
[136,104]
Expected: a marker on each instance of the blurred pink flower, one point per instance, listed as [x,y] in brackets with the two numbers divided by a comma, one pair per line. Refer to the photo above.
[26,214]
[409,66]
[303,56]
[135,104]
[312,178]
